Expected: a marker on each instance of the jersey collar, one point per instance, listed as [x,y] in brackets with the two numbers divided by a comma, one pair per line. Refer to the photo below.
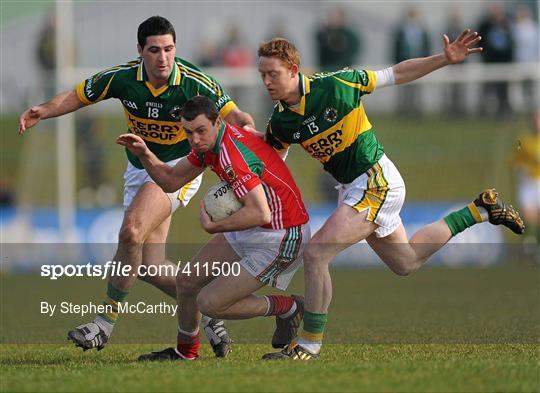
[174,79]
[305,88]
[219,138]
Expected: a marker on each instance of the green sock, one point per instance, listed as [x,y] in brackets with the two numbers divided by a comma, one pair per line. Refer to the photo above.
[462,219]
[314,325]
[114,296]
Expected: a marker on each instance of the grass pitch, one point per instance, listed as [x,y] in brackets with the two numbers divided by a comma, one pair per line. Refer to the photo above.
[463,330]
[385,367]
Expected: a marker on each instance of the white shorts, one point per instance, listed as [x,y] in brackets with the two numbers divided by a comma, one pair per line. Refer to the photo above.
[528,192]
[272,256]
[134,178]
[380,191]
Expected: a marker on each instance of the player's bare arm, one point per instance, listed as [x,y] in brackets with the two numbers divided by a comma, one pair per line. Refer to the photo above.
[454,52]
[63,103]
[168,178]
[242,119]
[254,213]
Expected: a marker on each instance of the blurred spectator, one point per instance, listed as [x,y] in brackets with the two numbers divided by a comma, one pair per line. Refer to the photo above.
[411,40]
[208,54]
[91,145]
[527,164]
[46,56]
[208,48]
[278,29]
[526,33]
[95,190]
[455,94]
[337,44]
[7,195]
[498,48]
[234,52]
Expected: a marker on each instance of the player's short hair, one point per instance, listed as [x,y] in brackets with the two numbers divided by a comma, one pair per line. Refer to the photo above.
[200,105]
[155,25]
[281,49]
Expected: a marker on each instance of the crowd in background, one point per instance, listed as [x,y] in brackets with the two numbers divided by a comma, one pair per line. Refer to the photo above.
[508,36]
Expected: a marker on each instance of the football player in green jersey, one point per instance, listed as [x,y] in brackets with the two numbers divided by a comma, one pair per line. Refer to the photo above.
[152,90]
[324,114]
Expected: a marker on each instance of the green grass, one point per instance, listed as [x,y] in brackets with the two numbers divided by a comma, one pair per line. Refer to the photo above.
[442,329]
[380,368]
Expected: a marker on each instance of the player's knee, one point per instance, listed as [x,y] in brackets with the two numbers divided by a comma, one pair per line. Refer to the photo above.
[210,306]
[186,287]
[313,257]
[130,234]
[404,267]
[402,271]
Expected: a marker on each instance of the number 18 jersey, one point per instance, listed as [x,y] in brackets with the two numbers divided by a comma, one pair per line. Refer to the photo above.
[154,114]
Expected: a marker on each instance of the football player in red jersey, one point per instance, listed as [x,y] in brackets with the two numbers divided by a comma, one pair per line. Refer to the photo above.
[266,236]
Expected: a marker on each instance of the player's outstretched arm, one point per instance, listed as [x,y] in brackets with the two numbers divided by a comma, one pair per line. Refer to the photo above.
[454,52]
[239,118]
[254,213]
[63,103]
[168,178]
[244,120]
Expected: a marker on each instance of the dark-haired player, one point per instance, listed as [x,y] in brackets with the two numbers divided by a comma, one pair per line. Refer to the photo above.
[152,90]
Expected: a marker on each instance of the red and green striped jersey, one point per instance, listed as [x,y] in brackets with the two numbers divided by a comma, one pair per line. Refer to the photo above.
[244,161]
[154,114]
[330,123]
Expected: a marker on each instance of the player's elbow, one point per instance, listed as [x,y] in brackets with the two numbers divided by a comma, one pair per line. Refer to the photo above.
[265,217]
[260,217]
[167,179]
[169,187]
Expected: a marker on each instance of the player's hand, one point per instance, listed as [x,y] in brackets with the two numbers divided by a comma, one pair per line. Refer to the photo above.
[29,118]
[258,134]
[134,143]
[244,119]
[462,47]
[239,118]
[206,222]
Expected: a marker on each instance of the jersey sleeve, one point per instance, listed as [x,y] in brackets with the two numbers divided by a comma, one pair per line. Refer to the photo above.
[96,88]
[363,80]
[195,159]
[209,87]
[220,97]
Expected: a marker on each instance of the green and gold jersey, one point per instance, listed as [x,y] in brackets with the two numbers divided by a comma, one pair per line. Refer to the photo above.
[154,114]
[330,123]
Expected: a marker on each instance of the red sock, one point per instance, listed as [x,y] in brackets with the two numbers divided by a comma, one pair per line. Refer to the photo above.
[188,346]
[279,304]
